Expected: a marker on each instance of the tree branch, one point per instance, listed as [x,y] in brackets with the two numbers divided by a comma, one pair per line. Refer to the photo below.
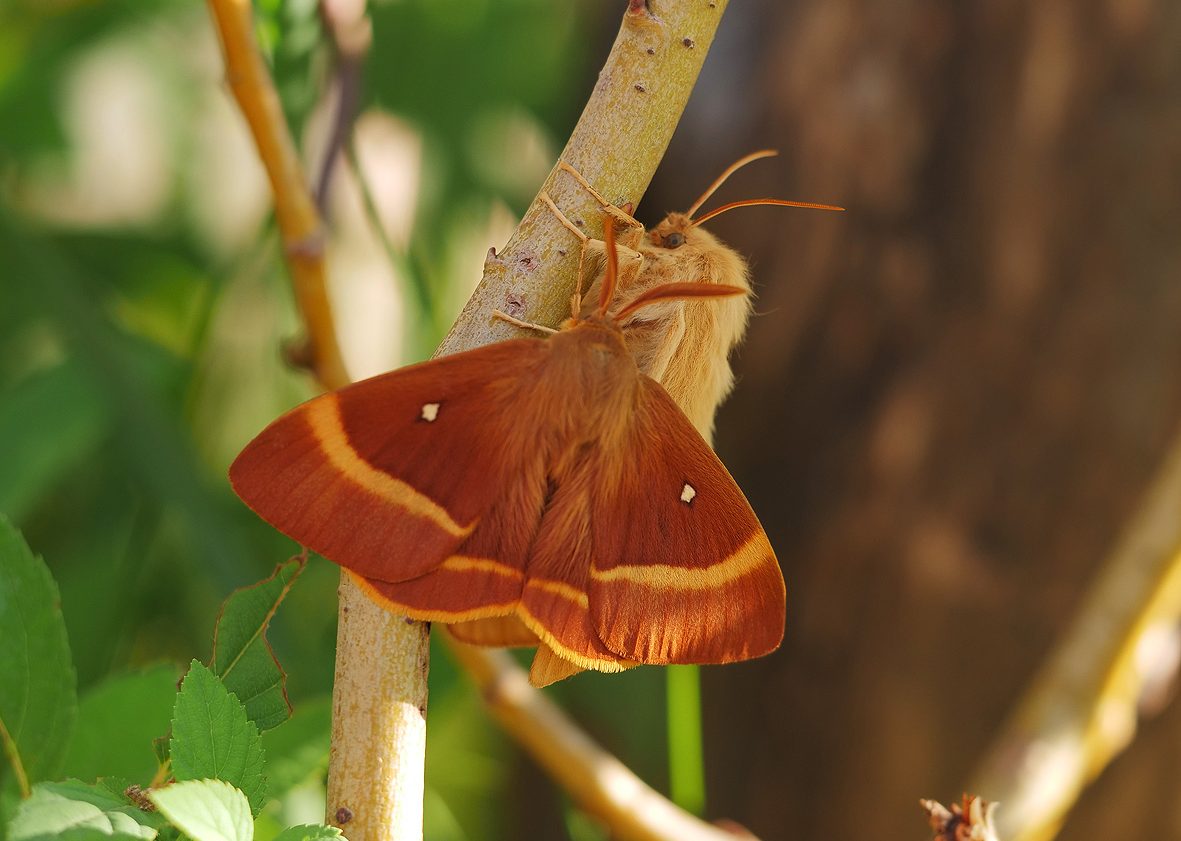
[598,782]
[617,144]
[1081,710]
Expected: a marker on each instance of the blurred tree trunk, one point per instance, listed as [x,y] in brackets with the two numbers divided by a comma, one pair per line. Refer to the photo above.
[955,395]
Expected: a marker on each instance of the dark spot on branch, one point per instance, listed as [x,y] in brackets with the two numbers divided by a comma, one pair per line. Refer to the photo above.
[688,42]
[650,51]
[513,305]
[640,88]
[343,815]
[310,247]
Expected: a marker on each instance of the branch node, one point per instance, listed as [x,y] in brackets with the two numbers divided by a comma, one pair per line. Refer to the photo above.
[309,247]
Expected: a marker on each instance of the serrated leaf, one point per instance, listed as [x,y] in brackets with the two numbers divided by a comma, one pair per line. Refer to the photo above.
[243,658]
[213,739]
[206,810]
[69,810]
[113,791]
[117,721]
[108,795]
[37,696]
[309,832]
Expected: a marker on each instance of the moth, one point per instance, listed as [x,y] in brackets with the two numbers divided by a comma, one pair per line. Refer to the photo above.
[531,492]
[684,345]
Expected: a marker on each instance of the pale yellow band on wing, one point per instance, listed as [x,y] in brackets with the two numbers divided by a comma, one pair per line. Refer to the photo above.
[462,563]
[560,588]
[581,660]
[433,615]
[748,557]
[324,418]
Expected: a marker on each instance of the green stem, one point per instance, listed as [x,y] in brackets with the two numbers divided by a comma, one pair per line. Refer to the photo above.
[410,274]
[686,754]
[14,759]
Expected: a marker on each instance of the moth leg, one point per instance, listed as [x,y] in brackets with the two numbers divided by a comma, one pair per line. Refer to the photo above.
[614,211]
[631,267]
[630,260]
[561,217]
[627,240]
[528,325]
[583,241]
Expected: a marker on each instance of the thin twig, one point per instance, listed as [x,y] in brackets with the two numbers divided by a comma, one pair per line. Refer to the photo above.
[599,783]
[352,35]
[1081,710]
[299,222]
[410,270]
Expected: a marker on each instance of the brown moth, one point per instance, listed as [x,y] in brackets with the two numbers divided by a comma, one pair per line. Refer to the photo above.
[531,492]
[684,345]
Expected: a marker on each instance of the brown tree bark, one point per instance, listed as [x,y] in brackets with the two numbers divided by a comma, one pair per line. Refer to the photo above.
[954,395]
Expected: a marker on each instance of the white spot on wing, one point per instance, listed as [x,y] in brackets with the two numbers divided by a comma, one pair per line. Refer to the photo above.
[687,493]
[430,411]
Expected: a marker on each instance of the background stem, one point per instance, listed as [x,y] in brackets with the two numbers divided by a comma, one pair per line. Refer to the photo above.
[686,752]
[1082,708]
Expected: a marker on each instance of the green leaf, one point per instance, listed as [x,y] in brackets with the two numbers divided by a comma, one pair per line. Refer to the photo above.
[242,657]
[37,700]
[213,738]
[39,443]
[74,810]
[111,793]
[117,721]
[309,832]
[298,748]
[206,810]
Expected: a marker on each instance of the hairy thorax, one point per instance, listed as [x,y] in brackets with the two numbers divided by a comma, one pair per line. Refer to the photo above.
[593,381]
[683,345]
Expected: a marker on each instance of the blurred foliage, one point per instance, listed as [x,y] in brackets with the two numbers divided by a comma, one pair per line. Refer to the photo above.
[143,306]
